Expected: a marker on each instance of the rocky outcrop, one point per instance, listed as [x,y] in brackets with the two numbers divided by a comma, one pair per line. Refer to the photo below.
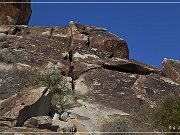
[19,108]
[171,69]
[14,13]
[42,122]
[93,64]
[106,86]
[88,41]
[131,66]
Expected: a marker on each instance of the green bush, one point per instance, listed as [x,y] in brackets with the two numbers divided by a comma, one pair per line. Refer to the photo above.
[53,81]
[59,103]
[167,116]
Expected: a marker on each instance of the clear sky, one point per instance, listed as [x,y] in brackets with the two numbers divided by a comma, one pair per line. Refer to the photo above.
[152,31]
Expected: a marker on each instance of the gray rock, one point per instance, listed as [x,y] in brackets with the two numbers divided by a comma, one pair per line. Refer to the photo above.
[56,116]
[64,116]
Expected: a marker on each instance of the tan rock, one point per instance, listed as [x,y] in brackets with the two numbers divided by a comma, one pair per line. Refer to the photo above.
[30,104]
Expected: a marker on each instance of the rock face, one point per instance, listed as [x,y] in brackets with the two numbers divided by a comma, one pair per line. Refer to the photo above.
[171,69]
[15,13]
[42,122]
[131,66]
[19,108]
[88,41]
[95,66]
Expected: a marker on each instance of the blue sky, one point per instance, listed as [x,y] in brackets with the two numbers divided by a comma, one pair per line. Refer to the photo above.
[151,30]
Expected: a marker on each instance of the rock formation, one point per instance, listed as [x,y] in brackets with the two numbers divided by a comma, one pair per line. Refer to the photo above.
[171,69]
[14,13]
[95,66]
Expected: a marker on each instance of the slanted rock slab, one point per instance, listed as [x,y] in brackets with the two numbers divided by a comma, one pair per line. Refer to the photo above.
[30,104]
[131,66]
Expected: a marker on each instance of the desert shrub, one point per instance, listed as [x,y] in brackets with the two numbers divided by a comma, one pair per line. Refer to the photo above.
[167,116]
[59,103]
[53,81]
[118,125]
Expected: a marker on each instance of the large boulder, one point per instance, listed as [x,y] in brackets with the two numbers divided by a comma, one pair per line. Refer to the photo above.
[19,108]
[171,69]
[89,40]
[15,13]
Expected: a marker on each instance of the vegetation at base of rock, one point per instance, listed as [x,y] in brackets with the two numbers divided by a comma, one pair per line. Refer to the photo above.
[59,103]
[53,81]
[116,124]
[167,116]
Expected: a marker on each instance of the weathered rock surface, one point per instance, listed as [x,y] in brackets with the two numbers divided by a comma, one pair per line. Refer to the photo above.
[124,91]
[93,64]
[81,65]
[91,41]
[88,115]
[42,122]
[131,66]
[19,108]
[151,90]
[62,127]
[15,13]
[110,88]
[171,69]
